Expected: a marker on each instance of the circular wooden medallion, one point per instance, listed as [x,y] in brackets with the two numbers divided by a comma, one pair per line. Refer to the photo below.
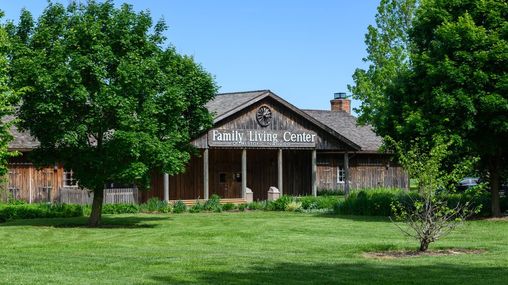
[264,116]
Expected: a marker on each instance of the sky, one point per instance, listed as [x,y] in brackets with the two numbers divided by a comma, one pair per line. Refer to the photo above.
[303,51]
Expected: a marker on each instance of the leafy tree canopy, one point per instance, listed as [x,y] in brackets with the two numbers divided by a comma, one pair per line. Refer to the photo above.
[454,82]
[105,96]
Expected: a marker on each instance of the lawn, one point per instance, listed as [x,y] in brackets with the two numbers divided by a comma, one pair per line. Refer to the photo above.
[241,248]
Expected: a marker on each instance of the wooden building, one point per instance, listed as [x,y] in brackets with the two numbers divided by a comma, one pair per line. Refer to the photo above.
[259,140]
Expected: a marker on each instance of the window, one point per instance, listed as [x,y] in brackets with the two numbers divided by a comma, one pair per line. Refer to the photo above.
[341,174]
[68,179]
[222,177]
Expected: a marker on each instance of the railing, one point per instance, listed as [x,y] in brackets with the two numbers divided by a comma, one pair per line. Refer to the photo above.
[74,195]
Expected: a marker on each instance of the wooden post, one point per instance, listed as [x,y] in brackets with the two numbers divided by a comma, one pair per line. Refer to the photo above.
[205,174]
[279,171]
[244,172]
[30,184]
[166,187]
[314,170]
[346,174]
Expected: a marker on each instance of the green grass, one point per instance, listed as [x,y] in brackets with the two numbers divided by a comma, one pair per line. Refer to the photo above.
[240,248]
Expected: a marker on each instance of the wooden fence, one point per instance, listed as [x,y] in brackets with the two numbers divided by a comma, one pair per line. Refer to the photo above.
[74,195]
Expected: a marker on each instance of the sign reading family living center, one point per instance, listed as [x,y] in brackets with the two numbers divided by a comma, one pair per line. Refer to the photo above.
[261,138]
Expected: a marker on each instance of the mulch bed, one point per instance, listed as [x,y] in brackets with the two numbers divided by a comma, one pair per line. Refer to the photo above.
[412,253]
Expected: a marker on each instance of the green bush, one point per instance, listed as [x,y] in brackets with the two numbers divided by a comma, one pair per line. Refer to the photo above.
[242,207]
[257,205]
[228,207]
[213,204]
[196,208]
[155,205]
[33,211]
[280,204]
[377,202]
[179,207]
[371,202]
[294,206]
[120,209]
[319,202]
[330,192]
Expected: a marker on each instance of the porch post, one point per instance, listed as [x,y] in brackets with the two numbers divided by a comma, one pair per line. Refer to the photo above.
[346,173]
[279,170]
[166,187]
[314,170]
[244,172]
[205,174]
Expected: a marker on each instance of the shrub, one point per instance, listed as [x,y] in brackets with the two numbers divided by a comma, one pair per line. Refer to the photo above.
[120,209]
[228,207]
[370,202]
[280,204]
[213,204]
[179,207]
[33,211]
[320,202]
[242,207]
[257,205]
[294,206]
[330,192]
[155,205]
[196,208]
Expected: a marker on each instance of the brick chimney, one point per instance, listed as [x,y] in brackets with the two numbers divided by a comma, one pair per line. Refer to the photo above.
[341,102]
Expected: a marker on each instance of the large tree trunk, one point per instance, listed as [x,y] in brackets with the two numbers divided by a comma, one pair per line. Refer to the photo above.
[495,182]
[95,216]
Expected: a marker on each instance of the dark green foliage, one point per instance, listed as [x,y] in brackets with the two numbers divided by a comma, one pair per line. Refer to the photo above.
[378,202]
[179,207]
[155,205]
[196,208]
[330,192]
[120,209]
[441,70]
[34,211]
[280,204]
[228,207]
[371,202]
[213,204]
[105,96]
[242,207]
[319,202]
[257,205]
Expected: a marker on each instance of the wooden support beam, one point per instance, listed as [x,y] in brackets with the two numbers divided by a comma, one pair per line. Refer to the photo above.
[314,170]
[205,174]
[244,172]
[166,187]
[346,174]
[279,171]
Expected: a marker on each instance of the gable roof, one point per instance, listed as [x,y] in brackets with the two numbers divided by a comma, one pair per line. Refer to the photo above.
[342,124]
[346,124]
[21,140]
[337,123]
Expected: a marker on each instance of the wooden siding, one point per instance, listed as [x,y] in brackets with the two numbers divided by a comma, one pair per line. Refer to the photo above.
[26,182]
[283,119]
[261,174]
[365,171]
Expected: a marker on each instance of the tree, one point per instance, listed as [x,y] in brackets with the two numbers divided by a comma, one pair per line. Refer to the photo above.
[428,216]
[7,98]
[455,85]
[388,56]
[105,97]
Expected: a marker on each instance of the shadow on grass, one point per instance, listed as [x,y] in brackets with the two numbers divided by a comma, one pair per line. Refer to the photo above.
[348,273]
[108,222]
